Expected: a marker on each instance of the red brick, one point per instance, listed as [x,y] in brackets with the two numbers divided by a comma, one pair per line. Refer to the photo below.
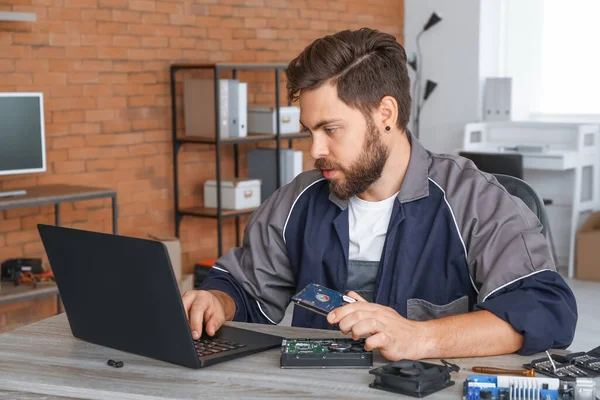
[49,78]
[113,53]
[96,40]
[111,102]
[84,128]
[111,28]
[68,116]
[196,33]
[7,66]
[97,90]
[171,31]
[57,155]
[141,101]
[10,225]
[65,39]
[64,14]
[182,43]
[112,79]
[114,139]
[113,3]
[126,41]
[100,165]
[67,142]
[141,54]
[116,126]
[81,3]
[83,77]
[225,11]
[182,19]
[81,52]
[83,153]
[255,23]
[99,115]
[141,29]
[20,237]
[30,38]
[155,18]
[158,41]
[127,66]
[142,5]
[126,16]
[96,15]
[69,167]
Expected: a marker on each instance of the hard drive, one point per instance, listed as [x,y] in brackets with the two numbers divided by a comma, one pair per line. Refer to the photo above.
[325,353]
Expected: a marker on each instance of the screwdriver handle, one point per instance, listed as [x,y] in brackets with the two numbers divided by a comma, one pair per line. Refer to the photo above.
[501,371]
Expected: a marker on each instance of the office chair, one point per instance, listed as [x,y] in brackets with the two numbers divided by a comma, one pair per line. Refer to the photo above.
[499,163]
[521,189]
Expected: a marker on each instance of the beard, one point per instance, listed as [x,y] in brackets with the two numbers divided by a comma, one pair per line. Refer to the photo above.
[364,172]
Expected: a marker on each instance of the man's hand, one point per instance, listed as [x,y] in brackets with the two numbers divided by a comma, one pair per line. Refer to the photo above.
[209,307]
[396,337]
[475,334]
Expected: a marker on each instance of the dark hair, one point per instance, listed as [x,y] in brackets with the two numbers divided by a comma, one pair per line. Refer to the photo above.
[365,65]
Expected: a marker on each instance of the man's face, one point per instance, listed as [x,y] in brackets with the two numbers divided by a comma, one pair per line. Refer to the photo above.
[346,146]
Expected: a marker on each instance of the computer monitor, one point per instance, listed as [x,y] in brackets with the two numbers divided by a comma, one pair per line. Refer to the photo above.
[22,143]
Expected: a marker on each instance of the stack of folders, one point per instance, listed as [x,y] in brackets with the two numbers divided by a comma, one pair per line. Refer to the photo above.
[199,108]
[261,165]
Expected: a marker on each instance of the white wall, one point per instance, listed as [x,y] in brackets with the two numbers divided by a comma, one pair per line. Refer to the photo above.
[523,53]
[450,53]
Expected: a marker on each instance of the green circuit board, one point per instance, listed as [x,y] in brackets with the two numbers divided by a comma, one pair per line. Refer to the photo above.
[296,346]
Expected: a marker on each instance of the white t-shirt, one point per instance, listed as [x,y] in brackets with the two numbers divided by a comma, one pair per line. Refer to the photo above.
[368,223]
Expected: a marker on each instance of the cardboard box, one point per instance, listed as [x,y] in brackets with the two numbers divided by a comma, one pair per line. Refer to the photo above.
[235,194]
[174,250]
[262,120]
[587,257]
[186,283]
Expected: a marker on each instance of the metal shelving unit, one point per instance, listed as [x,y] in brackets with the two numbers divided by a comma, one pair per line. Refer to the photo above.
[178,141]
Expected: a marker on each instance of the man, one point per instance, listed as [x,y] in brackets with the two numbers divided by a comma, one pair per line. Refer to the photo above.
[444,262]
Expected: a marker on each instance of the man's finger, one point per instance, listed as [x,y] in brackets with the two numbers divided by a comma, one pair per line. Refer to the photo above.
[188,299]
[341,312]
[197,318]
[213,323]
[366,327]
[356,296]
[378,341]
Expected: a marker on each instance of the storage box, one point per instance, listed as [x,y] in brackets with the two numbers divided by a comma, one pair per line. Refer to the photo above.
[186,283]
[588,249]
[235,194]
[262,120]
[174,250]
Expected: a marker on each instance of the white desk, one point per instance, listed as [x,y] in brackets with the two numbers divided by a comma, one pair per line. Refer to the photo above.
[566,171]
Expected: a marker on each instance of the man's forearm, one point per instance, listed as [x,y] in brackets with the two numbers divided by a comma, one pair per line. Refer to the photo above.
[478,333]
[227,302]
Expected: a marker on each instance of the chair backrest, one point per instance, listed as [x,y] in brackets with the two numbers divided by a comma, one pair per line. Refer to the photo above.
[497,163]
[521,189]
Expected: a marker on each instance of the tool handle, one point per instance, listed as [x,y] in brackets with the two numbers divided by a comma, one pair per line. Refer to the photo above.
[501,371]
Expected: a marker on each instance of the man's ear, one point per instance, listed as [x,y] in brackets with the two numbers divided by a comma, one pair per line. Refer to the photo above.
[387,113]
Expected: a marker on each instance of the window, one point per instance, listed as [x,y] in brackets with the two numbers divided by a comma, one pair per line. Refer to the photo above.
[570,68]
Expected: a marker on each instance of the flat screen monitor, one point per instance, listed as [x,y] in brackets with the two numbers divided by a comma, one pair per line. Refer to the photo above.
[22,142]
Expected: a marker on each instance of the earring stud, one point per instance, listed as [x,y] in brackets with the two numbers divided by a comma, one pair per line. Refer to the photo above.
[387,128]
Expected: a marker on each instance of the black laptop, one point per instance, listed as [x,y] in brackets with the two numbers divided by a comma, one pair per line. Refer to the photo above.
[121,292]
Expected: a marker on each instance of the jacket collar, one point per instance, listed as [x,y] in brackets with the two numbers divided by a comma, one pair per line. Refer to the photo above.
[416,180]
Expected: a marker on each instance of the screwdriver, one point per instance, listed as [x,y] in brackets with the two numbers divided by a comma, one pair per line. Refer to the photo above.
[501,371]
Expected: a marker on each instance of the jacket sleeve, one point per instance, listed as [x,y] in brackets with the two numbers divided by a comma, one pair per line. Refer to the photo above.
[510,263]
[258,275]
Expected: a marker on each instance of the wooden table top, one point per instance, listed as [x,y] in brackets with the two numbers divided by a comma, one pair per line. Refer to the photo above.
[44,359]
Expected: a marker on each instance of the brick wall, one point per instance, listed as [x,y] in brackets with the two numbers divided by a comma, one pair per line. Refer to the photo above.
[103,68]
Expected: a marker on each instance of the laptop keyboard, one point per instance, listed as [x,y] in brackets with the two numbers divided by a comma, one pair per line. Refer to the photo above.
[209,346]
